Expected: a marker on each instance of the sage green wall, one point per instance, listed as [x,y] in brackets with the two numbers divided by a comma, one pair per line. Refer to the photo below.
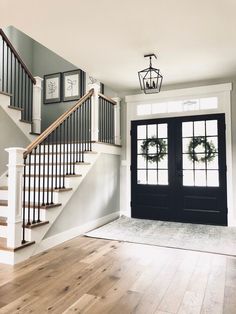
[104,182]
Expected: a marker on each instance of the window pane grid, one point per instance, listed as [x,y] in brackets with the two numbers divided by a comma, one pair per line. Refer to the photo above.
[149,171]
[197,170]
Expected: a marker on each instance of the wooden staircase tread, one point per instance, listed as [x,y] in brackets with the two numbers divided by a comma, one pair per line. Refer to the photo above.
[55,189]
[46,206]
[3,202]
[37,224]
[3,188]
[66,175]
[3,221]
[16,108]
[3,245]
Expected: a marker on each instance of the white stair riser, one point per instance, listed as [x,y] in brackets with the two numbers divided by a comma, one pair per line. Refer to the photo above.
[57,196]
[3,211]
[4,195]
[3,231]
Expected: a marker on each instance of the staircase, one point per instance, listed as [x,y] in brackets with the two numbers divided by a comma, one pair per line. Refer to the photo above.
[42,178]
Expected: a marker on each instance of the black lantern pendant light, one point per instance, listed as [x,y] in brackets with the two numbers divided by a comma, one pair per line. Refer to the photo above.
[150,79]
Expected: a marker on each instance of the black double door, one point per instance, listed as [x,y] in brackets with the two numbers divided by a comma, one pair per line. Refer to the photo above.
[178,169]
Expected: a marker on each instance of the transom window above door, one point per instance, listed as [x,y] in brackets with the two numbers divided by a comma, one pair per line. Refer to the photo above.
[206,103]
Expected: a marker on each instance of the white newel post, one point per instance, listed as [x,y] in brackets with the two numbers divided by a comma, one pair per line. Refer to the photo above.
[117,120]
[37,96]
[15,176]
[95,111]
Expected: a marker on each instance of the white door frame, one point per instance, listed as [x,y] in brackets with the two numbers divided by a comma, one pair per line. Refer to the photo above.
[221,91]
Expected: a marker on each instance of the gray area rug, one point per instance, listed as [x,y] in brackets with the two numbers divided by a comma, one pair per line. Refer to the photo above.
[204,238]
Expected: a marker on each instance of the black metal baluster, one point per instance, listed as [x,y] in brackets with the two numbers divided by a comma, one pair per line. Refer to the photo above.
[24,205]
[64,154]
[77,134]
[56,177]
[60,144]
[74,139]
[48,164]
[11,80]
[34,190]
[25,100]
[90,145]
[80,128]
[14,96]
[67,145]
[39,179]
[52,166]
[3,64]
[7,82]
[44,165]
[29,189]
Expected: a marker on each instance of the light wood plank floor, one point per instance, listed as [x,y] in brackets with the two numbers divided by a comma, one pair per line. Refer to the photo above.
[88,275]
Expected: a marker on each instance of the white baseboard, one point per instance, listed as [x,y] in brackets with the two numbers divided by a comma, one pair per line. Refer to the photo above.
[74,232]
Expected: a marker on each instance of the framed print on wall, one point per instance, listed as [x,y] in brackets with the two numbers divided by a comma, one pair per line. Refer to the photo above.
[52,88]
[72,85]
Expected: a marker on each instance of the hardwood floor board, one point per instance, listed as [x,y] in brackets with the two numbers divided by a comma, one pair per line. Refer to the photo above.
[214,296]
[82,305]
[194,295]
[153,295]
[174,295]
[94,276]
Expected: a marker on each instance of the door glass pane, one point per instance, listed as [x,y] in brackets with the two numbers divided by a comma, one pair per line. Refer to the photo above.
[141,131]
[163,164]
[213,164]
[163,177]
[212,178]
[199,128]
[152,130]
[152,177]
[186,142]
[187,129]
[187,163]
[200,178]
[211,127]
[151,164]
[162,130]
[188,178]
[141,161]
[142,177]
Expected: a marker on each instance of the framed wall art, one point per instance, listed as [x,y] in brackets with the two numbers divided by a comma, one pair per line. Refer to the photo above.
[72,83]
[52,88]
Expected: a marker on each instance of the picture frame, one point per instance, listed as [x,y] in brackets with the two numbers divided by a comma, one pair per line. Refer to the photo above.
[52,88]
[72,85]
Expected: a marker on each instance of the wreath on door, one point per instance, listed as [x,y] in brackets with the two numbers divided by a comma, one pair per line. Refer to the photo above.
[207,146]
[161,149]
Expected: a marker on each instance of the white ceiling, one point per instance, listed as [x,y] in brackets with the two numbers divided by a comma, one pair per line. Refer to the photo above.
[194,39]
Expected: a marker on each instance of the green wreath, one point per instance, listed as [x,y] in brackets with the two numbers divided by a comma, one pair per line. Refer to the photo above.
[208,148]
[161,149]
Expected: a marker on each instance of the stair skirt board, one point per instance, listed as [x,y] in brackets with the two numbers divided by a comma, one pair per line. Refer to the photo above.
[21,255]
